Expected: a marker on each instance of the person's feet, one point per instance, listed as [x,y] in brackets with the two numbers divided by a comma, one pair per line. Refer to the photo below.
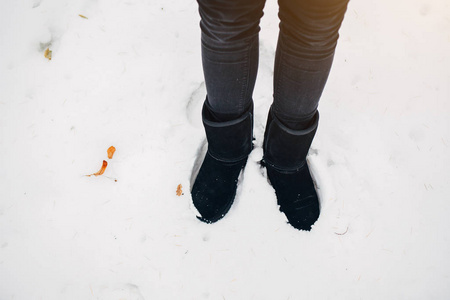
[285,151]
[215,187]
[229,144]
[296,196]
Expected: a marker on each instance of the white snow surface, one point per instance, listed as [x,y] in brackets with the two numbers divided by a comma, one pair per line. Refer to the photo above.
[129,75]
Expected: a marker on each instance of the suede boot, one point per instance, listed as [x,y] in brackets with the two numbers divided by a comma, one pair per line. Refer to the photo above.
[285,153]
[229,144]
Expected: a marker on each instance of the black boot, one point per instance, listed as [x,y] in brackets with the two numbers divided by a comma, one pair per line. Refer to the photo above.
[285,153]
[229,144]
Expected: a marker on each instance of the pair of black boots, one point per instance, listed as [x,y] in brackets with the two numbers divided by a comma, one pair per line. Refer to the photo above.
[285,150]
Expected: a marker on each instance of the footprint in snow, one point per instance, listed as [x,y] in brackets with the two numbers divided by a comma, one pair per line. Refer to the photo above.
[194,105]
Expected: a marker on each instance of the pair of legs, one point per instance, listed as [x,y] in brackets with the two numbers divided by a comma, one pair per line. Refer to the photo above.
[306,44]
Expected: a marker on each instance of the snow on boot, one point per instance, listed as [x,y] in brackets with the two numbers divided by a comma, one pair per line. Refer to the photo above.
[229,144]
[285,153]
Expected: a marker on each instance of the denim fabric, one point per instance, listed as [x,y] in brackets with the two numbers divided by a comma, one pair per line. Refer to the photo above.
[306,43]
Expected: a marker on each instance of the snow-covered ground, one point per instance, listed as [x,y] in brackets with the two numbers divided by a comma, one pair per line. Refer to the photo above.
[129,75]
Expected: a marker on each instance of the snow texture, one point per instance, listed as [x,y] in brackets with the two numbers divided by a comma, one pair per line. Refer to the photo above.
[129,75]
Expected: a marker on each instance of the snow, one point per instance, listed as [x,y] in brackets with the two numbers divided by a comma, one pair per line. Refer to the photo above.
[130,76]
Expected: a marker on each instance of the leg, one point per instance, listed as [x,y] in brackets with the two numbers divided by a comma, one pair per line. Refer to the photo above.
[230,61]
[306,44]
[230,53]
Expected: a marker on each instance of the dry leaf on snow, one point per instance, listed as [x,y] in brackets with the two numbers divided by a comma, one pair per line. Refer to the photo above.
[111,151]
[48,54]
[102,170]
[179,190]
[83,16]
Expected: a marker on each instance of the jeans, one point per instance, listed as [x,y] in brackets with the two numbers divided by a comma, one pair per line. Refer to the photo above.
[306,44]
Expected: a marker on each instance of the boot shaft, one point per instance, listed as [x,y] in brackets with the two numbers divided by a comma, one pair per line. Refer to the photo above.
[229,141]
[286,149]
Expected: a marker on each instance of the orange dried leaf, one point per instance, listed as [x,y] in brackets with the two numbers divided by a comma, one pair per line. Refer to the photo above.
[102,170]
[48,54]
[179,190]
[111,151]
[83,16]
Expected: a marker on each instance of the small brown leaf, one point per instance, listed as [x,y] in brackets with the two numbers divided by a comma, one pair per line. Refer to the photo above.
[111,151]
[179,190]
[83,16]
[102,170]
[48,54]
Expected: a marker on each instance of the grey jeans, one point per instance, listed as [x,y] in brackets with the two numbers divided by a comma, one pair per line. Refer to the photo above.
[306,44]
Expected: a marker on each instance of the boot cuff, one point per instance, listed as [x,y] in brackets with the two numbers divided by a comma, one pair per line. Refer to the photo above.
[229,141]
[285,149]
